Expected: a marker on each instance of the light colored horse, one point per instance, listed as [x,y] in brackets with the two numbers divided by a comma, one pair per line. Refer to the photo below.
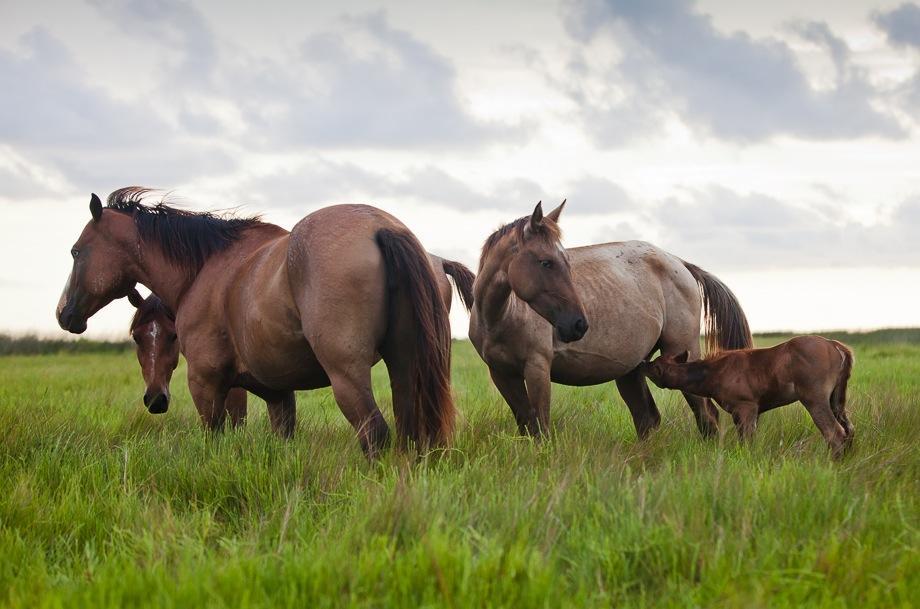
[533,301]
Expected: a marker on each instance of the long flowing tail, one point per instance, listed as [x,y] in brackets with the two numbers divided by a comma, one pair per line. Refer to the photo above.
[463,279]
[839,394]
[725,323]
[414,297]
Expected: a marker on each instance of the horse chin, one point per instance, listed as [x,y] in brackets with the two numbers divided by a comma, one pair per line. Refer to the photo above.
[568,335]
[76,326]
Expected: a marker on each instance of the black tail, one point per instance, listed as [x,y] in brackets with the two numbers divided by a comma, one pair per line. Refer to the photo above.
[726,325]
[463,279]
[414,295]
[839,394]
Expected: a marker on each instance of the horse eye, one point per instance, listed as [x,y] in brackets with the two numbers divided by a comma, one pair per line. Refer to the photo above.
[136,338]
[547,264]
[74,252]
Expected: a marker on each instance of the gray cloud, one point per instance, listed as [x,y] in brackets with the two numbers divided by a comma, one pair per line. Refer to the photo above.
[51,110]
[176,26]
[400,94]
[732,85]
[719,227]
[901,25]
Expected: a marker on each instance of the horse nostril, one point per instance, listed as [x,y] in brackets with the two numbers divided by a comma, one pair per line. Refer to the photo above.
[147,398]
[159,404]
[581,325]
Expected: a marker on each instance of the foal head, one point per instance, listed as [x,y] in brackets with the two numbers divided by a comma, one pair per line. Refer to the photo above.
[538,271]
[100,267]
[154,332]
[673,371]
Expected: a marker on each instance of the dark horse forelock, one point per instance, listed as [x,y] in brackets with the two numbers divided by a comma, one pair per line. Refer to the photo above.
[186,238]
[549,228]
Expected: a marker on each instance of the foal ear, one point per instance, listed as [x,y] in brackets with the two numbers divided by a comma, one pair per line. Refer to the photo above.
[135,298]
[535,224]
[95,206]
[554,215]
[681,358]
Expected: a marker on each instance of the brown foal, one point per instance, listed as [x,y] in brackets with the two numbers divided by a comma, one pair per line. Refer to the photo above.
[153,329]
[747,382]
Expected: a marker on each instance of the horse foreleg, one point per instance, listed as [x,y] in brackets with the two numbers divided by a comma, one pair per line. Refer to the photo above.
[539,389]
[638,398]
[512,388]
[705,413]
[209,398]
[282,413]
[236,406]
[745,415]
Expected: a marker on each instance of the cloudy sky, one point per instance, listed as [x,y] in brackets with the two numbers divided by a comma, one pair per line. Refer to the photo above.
[775,144]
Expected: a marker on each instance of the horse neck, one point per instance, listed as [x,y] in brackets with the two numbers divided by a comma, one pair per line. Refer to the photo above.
[492,290]
[168,281]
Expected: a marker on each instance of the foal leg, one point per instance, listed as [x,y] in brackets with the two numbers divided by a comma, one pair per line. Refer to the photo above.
[282,414]
[209,401]
[635,392]
[236,406]
[512,388]
[820,410]
[745,415]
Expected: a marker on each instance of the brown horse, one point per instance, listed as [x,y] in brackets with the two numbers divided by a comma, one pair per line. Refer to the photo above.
[274,311]
[533,301]
[153,329]
[748,382]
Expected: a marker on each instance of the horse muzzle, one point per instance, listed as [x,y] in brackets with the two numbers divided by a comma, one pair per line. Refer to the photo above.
[70,321]
[156,403]
[573,329]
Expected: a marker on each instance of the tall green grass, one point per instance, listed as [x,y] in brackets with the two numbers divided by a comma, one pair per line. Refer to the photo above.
[103,504]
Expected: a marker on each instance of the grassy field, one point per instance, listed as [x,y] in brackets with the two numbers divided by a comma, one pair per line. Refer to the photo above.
[102,504]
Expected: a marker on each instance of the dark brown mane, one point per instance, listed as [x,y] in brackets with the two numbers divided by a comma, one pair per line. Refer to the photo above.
[150,308]
[550,228]
[187,238]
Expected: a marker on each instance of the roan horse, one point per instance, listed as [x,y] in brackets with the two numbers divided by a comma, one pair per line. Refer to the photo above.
[273,311]
[153,329]
[533,301]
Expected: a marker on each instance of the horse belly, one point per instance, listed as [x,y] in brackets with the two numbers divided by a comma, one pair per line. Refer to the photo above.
[576,368]
[287,365]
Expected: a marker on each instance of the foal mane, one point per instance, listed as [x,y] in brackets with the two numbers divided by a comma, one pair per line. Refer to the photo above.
[550,229]
[187,238]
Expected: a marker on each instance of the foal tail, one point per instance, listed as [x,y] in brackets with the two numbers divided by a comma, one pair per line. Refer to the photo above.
[463,279]
[839,394]
[726,325]
[418,312]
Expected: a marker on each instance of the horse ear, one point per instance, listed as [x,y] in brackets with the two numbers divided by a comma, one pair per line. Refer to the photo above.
[554,215]
[535,224]
[95,206]
[681,358]
[135,298]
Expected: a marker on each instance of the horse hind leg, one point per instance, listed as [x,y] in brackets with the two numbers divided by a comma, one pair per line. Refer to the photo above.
[823,416]
[635,392]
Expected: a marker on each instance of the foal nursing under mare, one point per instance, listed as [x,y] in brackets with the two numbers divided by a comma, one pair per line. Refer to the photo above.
[534,301]
[746,383]
[274,311]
